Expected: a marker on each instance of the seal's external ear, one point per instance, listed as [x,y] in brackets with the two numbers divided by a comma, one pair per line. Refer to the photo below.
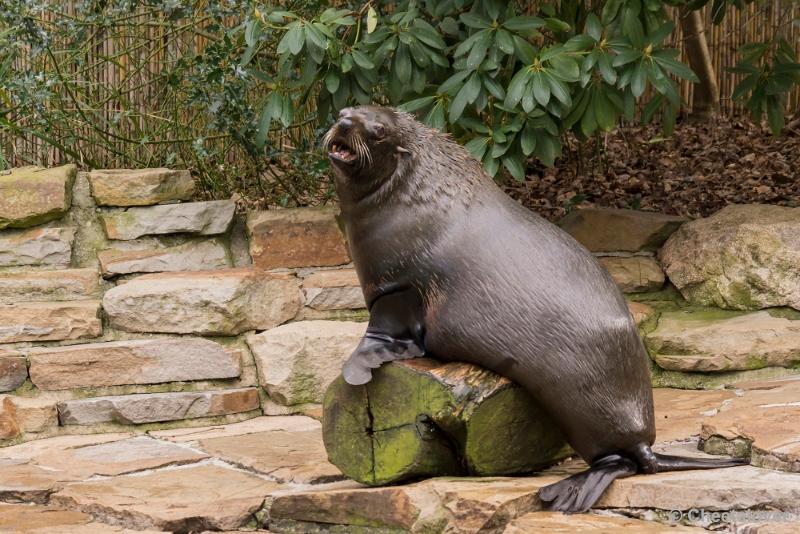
[402,150]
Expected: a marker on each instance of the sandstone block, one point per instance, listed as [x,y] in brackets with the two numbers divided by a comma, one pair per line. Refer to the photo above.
[58,285]
[224,302]
[762,421]
[203,218]
[13,370]
[635,274]
[743,257]
[724,341]
[549,522]
[191,256]
[50,321]
[618,230]
[40,519]
[297,361]
[300,237]
[154,407]
[20,415]
[190,499]
[334,290]
[33,195]
[145,361]
[287,456]
[140,187]
[45,247]
[641,312]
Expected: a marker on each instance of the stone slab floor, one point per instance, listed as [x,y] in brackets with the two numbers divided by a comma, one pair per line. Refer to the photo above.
[272,473]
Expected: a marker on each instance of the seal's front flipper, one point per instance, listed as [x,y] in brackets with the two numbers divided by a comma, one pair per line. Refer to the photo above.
[394,333]
[580,491]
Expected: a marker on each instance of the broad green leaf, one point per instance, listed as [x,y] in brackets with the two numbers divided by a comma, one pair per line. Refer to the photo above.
[524,51]
[638,80]
[475,21]
[566,68]
[604,112]
[263,127]
[632,27]
[449,25]
[547,148]
[435,117]
[419,53]
[504,41]
[528,102]
[577,110]
[523,23]
[332,81]
[417,104]
[490,164]
[775,117]
[467,44]
[589,119]
[745,86]
[347,63]
[678,69]
[402,64]
[453,81]
[593,27]
[605,68]
[372,19]
[494,88]
[472,88]
[514,166]
[610,11]
[478,51]
[498,149]
[527,141]
[557,25]
[362,60]
[315,36]
[558,89]
[477,146]
[427,34]
[517,87]
[541,89]
[663,31]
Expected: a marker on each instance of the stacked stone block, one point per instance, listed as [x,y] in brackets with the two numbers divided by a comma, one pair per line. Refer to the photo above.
[124,303]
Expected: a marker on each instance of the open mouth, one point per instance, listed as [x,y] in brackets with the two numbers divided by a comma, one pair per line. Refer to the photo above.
[339,151]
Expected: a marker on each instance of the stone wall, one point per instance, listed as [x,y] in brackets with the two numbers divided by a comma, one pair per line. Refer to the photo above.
[122,302]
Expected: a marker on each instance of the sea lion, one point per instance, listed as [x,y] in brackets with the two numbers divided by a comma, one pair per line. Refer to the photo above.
[453,268]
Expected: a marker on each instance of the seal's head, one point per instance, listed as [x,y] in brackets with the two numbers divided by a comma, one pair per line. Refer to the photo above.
[365,146]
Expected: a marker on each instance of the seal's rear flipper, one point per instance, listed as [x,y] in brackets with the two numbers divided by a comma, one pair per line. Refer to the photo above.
[395,333]
[580,491]
[666,462]
[653,462]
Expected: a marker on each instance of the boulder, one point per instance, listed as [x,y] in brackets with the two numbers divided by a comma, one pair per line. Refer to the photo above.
[619,230]
[297,361]
[13,370]
[224,302]
[144,361]
[59,285]
[50,321]
[716,340]
[334,290]
[37,247]
[744,257]
[192,499]
[299,237]
[201,218]
[155,407]
[635,274]
[33,195]
[140,187]
[191,256]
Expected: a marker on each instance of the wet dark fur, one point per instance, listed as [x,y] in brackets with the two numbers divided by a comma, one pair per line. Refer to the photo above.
[496,285]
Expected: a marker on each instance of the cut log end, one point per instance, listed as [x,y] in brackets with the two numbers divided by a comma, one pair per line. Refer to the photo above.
[420,418]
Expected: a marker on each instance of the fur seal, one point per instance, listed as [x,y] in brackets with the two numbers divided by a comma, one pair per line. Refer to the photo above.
[453,268]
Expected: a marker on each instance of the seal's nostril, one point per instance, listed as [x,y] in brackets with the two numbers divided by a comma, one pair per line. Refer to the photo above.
[345,124]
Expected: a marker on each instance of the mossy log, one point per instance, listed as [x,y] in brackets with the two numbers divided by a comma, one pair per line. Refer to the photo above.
[422,417]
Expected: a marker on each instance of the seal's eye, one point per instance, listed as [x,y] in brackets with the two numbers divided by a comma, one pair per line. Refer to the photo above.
[379,131]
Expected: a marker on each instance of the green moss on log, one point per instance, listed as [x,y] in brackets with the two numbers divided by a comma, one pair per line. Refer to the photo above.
[421,418]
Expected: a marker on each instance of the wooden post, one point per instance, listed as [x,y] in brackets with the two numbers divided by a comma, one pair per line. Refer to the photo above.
[420,418]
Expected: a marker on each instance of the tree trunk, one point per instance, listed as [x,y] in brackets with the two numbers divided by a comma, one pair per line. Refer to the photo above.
[705,100]
[421,417]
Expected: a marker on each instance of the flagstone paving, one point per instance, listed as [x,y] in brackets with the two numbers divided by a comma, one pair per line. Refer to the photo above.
[272,473]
